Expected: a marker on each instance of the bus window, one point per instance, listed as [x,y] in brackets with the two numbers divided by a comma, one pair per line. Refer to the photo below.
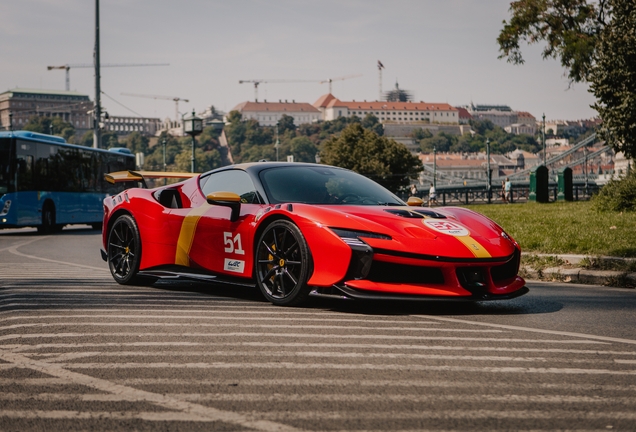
[5,165]
[25,172]
[24,165]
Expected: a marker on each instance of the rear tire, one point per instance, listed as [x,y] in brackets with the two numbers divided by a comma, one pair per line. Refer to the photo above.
[283,264]
[48,220]
[124,252]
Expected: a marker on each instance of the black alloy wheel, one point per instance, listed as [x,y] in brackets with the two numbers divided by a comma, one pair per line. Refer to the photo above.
[283,264]
[124,252]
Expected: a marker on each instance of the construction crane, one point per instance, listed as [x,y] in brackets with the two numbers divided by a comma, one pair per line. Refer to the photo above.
[330,80]
[172,98]
[67,68]
[273,81]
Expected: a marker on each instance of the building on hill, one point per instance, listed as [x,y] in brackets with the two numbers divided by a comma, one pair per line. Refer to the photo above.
[72,107]
[387,112]
[123,125]
[269,113]
[464,115]
[469,167]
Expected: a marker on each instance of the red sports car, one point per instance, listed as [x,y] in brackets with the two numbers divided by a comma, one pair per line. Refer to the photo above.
[297,230]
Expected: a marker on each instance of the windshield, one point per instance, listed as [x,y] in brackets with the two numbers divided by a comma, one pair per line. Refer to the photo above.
[323,185]
[5,177]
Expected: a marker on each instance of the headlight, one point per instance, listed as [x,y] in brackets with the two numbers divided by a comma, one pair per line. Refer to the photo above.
[5,209]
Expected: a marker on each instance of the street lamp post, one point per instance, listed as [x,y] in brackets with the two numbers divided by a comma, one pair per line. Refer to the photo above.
[277,142]
[585,169]
[488,179]
[543,139]
[434,167]
[163,143]
[193,126]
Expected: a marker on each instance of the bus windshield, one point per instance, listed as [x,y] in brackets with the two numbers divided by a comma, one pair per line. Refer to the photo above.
[5,165]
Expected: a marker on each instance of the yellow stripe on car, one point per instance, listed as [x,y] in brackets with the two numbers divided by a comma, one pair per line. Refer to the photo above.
[473,245]
[186,235]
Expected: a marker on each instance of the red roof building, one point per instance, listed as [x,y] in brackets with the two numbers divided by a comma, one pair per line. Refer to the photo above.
[388,112]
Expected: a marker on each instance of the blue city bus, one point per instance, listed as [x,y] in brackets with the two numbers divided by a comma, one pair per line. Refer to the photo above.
[47,183]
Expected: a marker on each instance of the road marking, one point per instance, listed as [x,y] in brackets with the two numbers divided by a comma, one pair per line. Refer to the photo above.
[109,415]
[287,335]
[465,414]
[315,345]
[14,251]
[326,382]
[530,329]
[24,243]
[327,397]
[241,326]
[625,361]
[335,366]
[57,357]
[207,316]
[189,410]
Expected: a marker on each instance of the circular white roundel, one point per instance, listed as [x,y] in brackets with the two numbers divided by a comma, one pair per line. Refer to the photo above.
[446,227]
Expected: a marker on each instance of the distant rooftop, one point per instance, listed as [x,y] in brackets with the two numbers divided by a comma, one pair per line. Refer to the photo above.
[490,108]
[44,92]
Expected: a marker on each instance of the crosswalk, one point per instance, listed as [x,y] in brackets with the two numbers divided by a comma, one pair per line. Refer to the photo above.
[108,357]
[42,272]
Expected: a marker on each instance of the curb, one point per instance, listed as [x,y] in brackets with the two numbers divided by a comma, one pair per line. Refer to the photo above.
[569,273]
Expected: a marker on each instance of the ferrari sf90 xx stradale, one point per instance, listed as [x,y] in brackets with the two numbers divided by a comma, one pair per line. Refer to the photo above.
[297,230]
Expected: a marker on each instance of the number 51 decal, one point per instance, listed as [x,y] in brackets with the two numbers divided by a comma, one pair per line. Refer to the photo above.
[233,245]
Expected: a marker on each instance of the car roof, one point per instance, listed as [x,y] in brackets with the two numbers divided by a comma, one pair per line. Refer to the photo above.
[257,167]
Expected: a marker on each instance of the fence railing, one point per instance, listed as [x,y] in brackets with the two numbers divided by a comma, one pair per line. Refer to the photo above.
[465,195]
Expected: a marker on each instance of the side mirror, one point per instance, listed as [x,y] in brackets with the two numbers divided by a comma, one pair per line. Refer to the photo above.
[415,201]
[226,199]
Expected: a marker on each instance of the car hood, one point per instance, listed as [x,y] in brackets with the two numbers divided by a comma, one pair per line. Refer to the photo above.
[449,232]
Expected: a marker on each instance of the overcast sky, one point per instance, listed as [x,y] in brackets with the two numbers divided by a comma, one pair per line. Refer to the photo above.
[440,50]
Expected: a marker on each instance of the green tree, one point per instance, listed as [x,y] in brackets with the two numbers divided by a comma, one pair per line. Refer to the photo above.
[303,149]
[286,123]
[154,159]
[613,78]
[51,125]
[371,122]
[383,160]
[596,42]
[137,143]
[569,27]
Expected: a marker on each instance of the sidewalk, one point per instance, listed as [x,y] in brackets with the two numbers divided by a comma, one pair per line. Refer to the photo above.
[612,271]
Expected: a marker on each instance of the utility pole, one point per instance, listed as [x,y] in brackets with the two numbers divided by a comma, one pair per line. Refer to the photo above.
[97,112]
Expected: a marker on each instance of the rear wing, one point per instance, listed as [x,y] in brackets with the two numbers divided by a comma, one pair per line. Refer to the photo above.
[140,176]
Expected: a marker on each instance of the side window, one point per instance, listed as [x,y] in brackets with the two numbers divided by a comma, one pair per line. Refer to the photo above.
[236,181]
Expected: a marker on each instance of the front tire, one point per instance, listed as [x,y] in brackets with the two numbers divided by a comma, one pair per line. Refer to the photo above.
[124,252]
[283,264]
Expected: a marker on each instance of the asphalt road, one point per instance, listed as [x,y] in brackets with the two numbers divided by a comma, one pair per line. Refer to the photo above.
[79,352]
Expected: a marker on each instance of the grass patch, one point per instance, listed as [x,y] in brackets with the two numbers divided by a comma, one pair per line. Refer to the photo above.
[565,227]
[540,263]
[596,263]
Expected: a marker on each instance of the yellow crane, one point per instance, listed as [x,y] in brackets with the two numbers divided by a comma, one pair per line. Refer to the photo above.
[172,98]
[68,67]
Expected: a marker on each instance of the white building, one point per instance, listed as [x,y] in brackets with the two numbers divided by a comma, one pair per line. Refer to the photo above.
[269,113]
[331,108]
